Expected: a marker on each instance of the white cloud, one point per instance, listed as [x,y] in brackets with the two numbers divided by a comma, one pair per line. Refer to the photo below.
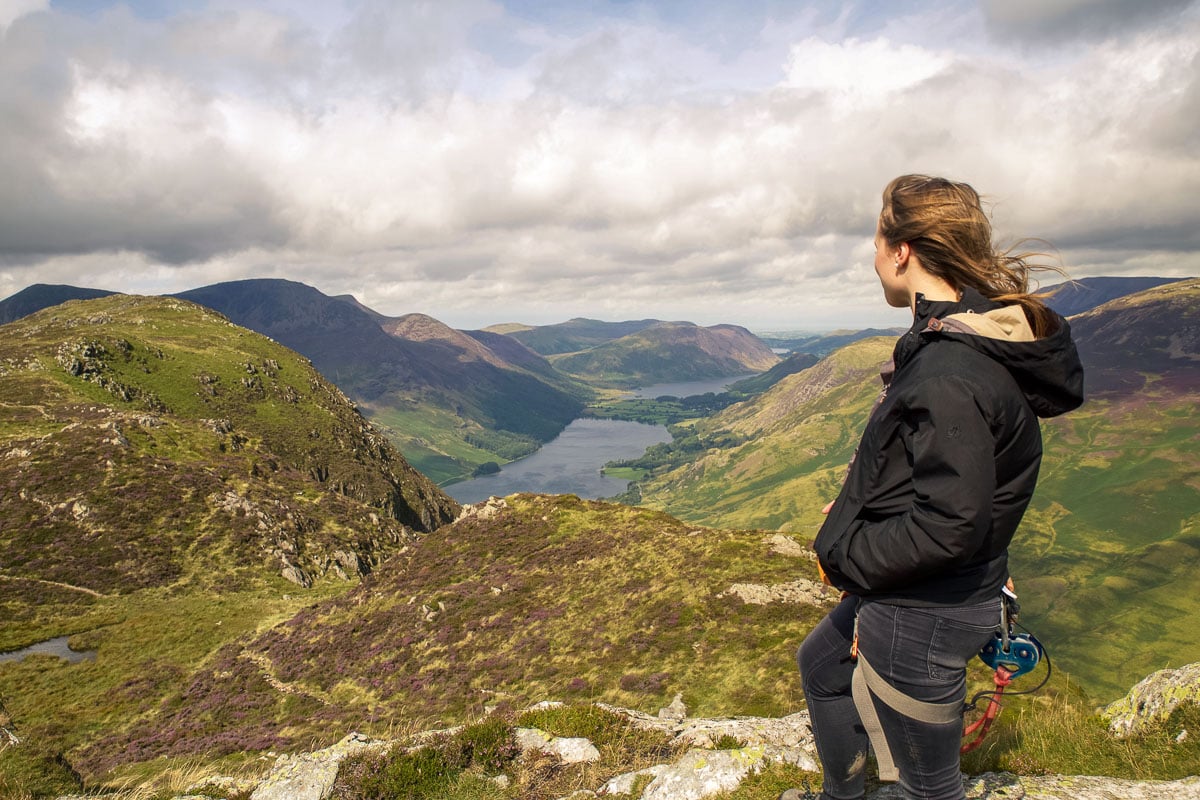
[612,170]
[854,72]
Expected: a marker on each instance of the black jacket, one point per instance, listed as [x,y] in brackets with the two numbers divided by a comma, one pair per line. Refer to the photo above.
[950,455]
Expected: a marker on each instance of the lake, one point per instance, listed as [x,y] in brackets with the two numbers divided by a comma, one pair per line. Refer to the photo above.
[714,385]
[570,464]
[51,647]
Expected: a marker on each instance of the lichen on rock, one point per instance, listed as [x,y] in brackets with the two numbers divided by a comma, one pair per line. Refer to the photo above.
[1153,699]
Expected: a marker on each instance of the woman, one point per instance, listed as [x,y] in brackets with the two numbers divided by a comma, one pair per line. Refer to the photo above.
[917,539]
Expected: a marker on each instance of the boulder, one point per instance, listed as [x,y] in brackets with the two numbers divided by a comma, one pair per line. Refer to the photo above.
[1153,699]
[565,749]
[703,773]
[310,776]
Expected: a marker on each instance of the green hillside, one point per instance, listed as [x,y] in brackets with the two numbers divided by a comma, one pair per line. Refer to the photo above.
[1107,557]
[448,401]
[795,441]
[171,482]
[553,597]
[669,352]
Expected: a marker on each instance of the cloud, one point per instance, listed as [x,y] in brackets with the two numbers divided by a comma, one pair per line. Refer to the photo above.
[458,159]
[12,10]
[1038,21]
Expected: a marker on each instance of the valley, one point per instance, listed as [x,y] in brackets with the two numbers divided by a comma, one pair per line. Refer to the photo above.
[256,566]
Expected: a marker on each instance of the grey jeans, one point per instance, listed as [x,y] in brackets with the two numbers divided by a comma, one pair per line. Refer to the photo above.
[923,652]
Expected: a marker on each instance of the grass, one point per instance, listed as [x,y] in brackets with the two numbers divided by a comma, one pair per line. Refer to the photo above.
[464,764]
[556,598]
[157,638]
[1106,557]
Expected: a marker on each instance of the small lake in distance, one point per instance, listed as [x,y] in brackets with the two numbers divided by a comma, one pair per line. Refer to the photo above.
[714,385]
[570,464]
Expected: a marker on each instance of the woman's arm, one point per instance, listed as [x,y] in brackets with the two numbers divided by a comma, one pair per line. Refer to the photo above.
[949,444]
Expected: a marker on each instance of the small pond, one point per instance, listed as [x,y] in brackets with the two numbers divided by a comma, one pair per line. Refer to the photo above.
[52,647]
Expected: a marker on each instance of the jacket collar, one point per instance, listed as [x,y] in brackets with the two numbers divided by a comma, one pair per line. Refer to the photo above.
[971,301]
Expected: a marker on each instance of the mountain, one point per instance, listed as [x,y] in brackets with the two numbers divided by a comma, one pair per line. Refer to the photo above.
[1113,532]
[825,343]
[571,336]
[41,295]
[171,482]
[1077,296]
[137,427]
[793,363]
[540,597]
[1137,340]
[449,401]
[670,352]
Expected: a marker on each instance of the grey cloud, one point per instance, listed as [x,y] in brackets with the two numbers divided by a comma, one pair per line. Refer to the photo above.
[1170,120]
[1041,21]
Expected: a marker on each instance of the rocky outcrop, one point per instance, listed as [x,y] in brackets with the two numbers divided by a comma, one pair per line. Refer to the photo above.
[568,750]
[485,510]
[707,768]
[310,776]
[1153,699]
[801,591]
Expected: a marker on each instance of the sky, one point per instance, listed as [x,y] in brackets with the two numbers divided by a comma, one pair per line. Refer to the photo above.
[492,161]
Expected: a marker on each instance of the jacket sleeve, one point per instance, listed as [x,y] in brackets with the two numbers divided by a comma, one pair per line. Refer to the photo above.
[949,444]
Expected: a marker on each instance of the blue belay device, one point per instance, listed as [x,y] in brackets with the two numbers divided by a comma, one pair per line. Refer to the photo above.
[1018,653]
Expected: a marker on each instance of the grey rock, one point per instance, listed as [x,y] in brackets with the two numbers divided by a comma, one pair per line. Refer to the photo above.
[800,591]
[1153,699]
[567,750]
[703,773]
[310,776]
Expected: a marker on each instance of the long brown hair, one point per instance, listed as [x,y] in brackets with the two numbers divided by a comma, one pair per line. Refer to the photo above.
[944,224]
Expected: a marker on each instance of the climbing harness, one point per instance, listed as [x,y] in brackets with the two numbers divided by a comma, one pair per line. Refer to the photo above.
[1009,654]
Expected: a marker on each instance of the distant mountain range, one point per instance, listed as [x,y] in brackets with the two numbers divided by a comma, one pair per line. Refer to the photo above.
[1075,297]
[450,402]
[453,400]
[669,352]
[571,336]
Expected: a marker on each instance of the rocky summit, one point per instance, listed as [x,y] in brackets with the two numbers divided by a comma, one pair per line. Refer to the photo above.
[149,439]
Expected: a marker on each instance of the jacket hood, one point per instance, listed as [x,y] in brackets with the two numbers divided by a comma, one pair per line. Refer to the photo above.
[1047,369]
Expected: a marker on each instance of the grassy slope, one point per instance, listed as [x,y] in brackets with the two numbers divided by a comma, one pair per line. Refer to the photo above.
[555,597]
[114,521]
[801,435]
[1107,557]
[499,409]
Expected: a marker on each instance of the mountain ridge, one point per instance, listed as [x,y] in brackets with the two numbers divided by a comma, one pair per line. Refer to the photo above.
[117,406]
[455,413]
[670,352]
